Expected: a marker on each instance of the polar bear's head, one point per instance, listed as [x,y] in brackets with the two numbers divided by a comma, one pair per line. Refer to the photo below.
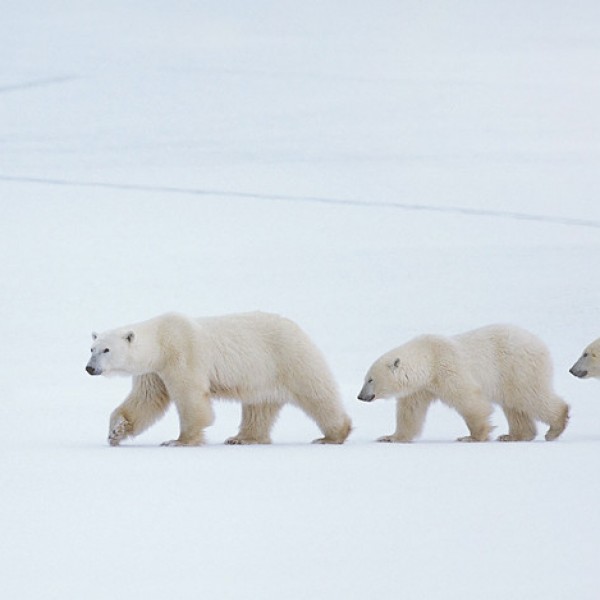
[395,375]
[400,372]
[380,381]
[113,352]
[588,364]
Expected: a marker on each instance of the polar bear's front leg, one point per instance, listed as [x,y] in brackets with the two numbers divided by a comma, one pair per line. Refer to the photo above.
[147,402]
[410,418]
[195,414]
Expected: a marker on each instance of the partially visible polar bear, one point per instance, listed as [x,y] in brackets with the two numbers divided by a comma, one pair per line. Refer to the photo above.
[498,364]
[261,359]
[588,364]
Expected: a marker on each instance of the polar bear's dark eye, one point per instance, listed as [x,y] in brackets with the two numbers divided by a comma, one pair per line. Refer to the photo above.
[105,350]
[585,354]
[370,380]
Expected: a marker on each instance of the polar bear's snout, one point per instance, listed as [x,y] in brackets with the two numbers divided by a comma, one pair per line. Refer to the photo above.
[92,370]
[588,364]
[366,394]
[578,371]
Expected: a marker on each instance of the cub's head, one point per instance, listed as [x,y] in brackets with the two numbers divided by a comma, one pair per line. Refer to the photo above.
[588,364]
[400,372]
[113,353]
[383,380]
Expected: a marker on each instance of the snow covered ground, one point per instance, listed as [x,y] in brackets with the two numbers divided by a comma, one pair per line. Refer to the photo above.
[371,170]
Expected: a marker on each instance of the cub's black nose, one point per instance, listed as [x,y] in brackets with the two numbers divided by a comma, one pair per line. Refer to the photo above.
[90,370]
[577,372]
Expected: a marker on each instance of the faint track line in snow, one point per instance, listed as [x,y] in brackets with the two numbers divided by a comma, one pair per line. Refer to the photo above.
[37,83]
[456,210]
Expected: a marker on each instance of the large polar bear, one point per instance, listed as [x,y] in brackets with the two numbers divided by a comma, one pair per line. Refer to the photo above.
[588,364]
[264,360]
[498,364]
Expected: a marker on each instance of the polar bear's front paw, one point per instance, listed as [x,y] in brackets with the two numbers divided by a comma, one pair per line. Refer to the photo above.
[234,441]
[172,443]
[327,440]
[178,442]
[509,437]
[392,439]
[119,431]
[470,438]
[239,441]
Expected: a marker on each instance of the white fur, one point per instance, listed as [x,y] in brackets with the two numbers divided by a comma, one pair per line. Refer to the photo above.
[499,364]
[263,360]
[588,364]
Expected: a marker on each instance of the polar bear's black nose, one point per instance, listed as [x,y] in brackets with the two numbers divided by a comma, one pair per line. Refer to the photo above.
[90,370]
[577,372]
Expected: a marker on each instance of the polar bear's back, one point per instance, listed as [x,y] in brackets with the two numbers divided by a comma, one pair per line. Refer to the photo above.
[256,331]
[260,353]
[502,357]
[508,342]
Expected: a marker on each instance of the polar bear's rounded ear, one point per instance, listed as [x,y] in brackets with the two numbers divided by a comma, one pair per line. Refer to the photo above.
[129,336]
[94,335]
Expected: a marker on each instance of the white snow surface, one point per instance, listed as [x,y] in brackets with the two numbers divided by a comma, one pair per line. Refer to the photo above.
[372,170]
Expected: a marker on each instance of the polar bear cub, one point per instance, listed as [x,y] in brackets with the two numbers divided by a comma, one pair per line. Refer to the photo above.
[261,359]
[588,364]
[499,364]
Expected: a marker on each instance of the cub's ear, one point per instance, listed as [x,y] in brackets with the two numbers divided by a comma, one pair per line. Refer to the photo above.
[94,335]
[129,336]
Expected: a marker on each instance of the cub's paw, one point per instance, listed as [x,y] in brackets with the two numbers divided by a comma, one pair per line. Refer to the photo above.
[238,441]
[392,439]
[469,438]
[178,443]
[234,441]
[326,440]
[513,438]
[172,443]
[119,430]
